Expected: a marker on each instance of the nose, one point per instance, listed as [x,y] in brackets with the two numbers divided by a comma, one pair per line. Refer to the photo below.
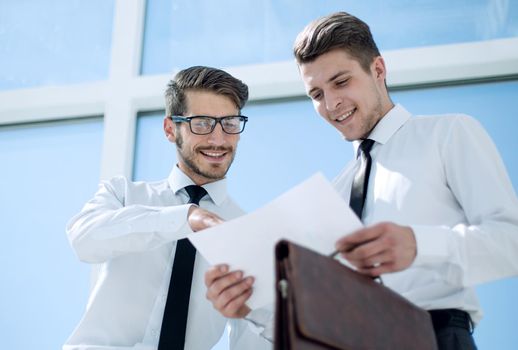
[217,137]
[333,101]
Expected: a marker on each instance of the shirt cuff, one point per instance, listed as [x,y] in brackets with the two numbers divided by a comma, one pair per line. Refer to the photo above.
[432,245]
[260,321]
[173,221]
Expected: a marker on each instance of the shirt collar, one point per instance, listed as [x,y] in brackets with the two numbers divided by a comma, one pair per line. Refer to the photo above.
[387,126]
[217,190]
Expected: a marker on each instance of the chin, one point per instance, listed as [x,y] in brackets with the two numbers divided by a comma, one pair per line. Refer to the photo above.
[349,137]
[214,174]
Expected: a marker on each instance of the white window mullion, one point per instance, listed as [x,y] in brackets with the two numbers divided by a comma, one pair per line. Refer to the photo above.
[407,68]
[52,103]
[119,116]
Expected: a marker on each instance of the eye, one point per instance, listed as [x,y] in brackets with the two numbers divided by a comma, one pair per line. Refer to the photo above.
[201,122]
[342,82]
[231,123]
[316,96]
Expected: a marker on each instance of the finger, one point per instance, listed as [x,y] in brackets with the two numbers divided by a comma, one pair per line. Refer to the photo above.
[376,271]
[383,258]
[366,251]
[214,221]
[200,219]
[218,218]
[232,292]
[222,283]
[215,272]
[359,237]
[237,307]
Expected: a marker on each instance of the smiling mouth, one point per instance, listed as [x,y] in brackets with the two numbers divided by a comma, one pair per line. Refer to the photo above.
[213,154]
[345,116]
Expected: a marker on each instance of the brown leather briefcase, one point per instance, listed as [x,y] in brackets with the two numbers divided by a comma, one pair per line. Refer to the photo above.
[322,304]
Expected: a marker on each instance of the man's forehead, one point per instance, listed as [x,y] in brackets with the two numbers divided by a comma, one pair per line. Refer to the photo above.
[209,103]
[328,63]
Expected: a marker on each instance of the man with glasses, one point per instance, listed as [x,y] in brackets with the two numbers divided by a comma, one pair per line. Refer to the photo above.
[149,292]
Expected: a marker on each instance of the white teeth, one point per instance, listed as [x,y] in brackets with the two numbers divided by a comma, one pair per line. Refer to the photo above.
[345,116]
[211,154]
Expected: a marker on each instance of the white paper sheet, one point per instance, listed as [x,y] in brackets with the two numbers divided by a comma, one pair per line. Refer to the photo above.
[311,214]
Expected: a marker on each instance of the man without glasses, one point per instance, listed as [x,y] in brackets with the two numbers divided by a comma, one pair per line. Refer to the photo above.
[440,212]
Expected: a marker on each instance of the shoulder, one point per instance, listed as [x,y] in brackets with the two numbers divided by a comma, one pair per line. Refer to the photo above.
[444,126]
[444,121]
[453,134]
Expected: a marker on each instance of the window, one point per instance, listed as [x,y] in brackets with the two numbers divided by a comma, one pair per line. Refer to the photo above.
[182,33]
[54,42]
[48,172]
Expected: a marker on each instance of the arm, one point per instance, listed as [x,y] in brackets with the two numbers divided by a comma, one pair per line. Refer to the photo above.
[106,228]
[478,250]
[483,247]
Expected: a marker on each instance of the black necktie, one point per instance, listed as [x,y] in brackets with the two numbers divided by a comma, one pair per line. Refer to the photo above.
[174,323]
[361,178]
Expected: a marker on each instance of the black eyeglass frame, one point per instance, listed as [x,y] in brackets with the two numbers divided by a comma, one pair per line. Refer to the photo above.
[242,118]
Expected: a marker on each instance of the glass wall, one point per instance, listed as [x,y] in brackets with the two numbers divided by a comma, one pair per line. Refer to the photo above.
[285,142]
[181,33]
[54,42]
[48,172]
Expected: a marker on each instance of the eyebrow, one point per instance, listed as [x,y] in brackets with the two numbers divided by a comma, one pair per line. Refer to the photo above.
[330,80]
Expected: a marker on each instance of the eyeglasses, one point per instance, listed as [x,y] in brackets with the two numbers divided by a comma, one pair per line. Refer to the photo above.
[203,125]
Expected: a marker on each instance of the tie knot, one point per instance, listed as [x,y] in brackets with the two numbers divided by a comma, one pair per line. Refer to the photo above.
[195,193]
[365,146]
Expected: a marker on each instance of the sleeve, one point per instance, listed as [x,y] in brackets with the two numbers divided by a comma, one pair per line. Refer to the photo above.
[106,228]
[485,246]
[254,331]
[260,321]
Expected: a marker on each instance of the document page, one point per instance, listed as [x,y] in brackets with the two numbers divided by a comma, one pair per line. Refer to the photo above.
[311,214]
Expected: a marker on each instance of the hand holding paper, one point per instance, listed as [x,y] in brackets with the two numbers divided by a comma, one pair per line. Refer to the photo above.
[311,214]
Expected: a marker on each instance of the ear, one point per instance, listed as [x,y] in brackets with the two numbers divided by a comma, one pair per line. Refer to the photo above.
[378,69]
[169,129]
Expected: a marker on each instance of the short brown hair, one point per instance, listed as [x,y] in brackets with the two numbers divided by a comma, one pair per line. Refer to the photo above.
[339,30]
[203,78]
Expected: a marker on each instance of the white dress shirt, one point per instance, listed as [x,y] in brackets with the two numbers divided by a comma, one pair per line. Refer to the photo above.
[443,177]
[131,229]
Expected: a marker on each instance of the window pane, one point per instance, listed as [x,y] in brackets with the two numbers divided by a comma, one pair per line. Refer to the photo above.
[181,33]
[48,172]
[54,42]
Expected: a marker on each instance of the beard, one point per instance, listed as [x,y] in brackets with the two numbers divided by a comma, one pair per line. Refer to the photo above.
[209,171]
